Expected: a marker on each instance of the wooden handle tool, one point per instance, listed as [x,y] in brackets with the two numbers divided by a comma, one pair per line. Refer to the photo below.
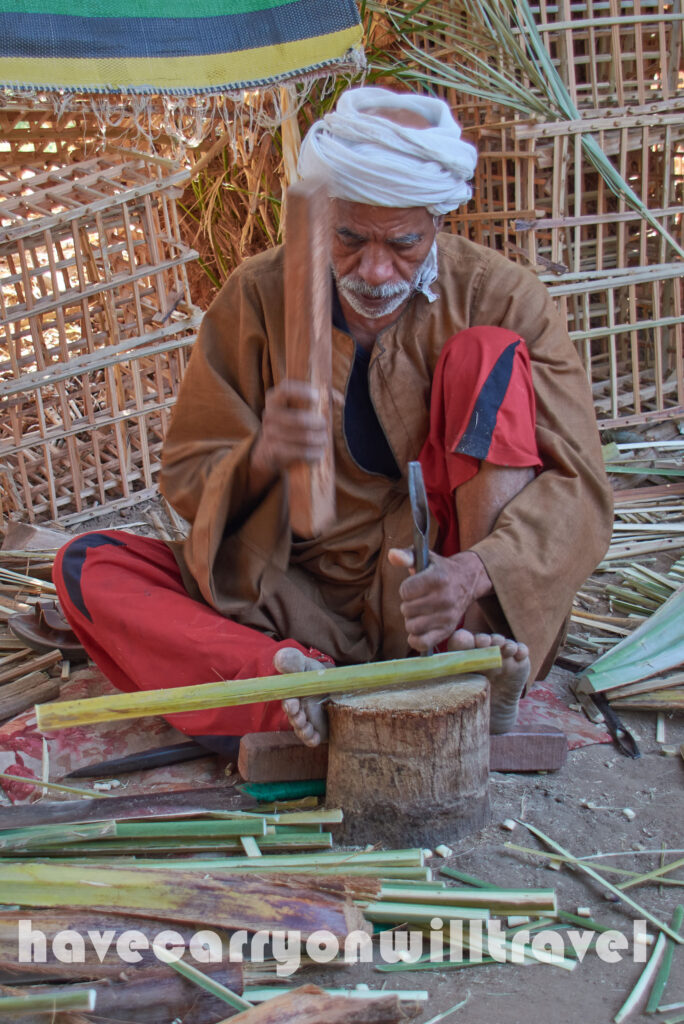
[308,343]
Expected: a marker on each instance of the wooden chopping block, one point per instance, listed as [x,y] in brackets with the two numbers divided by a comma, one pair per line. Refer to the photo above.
[528,748]
[411,767]
[308,343]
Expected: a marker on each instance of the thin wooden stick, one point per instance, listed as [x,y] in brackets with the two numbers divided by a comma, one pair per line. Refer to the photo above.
[57,786]
[204,982]
[583,866]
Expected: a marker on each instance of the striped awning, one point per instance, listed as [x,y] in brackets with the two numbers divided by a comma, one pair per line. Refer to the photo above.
[172,46]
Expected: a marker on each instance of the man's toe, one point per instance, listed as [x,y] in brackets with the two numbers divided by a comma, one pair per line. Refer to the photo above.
[461,640]
[300,720]
[483,639]
[289,659]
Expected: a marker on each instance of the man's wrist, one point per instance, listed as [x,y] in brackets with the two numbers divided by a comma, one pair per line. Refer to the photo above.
[481,584]
[260,476]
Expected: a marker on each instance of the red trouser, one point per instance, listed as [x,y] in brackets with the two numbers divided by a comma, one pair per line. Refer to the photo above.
[125,600]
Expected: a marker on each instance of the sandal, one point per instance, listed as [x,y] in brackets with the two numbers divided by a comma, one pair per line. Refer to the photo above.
[45,629]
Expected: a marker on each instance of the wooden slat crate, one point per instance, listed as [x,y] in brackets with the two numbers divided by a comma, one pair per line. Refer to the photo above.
[89,432]
[627,325]
[504,186]
[584,225]
[36,134]
[95,323]
[614,53]
[90,255]
[36,137]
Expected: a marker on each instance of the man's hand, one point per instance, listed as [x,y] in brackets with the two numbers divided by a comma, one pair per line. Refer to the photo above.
[434,602]
[292,429]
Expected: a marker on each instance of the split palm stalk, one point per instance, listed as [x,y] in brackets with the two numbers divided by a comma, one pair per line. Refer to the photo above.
[48,1002]
[664,971]
[345,679]
[207,984]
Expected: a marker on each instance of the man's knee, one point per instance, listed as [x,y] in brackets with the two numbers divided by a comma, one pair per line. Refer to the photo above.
[69,568]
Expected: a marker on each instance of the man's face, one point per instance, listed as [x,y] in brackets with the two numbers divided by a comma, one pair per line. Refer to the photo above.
[377,253]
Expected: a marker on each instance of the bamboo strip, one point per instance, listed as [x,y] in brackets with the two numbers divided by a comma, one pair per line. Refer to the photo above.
[49,1002]
[344,679]
[666,966]
[643,980]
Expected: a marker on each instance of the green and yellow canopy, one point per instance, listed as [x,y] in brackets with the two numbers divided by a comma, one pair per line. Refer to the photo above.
[172,46]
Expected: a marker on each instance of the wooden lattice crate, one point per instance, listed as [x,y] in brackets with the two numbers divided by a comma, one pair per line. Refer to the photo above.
[95,321]
[35,136]
[614,52]
[627,326]
[40,135]
[504,184]
[584,224]
[90,432]
[90,256]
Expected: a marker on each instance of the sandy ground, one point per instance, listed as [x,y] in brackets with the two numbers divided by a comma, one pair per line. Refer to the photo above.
[653,787]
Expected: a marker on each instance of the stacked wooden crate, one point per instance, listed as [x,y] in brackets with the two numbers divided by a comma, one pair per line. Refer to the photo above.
[96,321]
[539,199]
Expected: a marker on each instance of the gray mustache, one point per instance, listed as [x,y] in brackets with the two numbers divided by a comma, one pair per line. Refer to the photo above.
[368,291]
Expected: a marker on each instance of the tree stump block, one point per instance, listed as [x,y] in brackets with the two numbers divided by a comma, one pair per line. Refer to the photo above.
[411,766]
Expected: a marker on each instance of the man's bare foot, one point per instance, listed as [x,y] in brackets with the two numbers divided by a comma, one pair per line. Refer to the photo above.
[307,715]
[506,683]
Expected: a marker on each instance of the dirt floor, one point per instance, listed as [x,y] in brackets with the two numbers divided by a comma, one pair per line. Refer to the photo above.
[652,787]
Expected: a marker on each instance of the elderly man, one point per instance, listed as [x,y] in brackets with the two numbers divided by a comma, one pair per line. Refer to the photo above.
[443,351]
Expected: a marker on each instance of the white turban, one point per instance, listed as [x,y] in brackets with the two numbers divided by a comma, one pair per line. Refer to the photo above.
[367,158]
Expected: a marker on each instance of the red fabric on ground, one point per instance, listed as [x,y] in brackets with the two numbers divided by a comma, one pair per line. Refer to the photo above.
[146,632]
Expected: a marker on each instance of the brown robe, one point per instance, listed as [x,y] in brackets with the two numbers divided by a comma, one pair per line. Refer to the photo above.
[338,592]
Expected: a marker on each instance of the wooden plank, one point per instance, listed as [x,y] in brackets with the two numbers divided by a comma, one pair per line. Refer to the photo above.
[315,1006]
[308,342]
[280,757]
[30,666]
[531,748]
[25,692]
